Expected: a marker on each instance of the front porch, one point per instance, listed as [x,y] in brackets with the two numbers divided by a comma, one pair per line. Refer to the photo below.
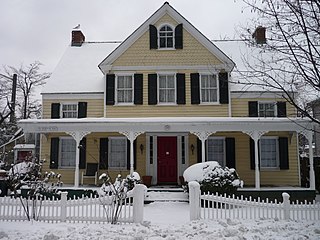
[183,130]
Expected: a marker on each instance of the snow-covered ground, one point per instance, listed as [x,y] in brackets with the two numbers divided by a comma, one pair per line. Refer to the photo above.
[166,220]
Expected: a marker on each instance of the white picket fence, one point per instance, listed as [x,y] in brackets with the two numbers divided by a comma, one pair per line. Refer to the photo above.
[88,209]
[210,206]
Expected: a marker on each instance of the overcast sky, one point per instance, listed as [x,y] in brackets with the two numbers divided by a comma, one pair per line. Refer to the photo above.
[40,30]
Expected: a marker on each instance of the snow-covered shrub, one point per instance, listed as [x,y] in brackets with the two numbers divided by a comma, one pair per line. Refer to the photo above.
[115,193]
[213,178]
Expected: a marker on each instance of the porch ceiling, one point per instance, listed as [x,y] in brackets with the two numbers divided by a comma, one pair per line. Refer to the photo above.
[165,124]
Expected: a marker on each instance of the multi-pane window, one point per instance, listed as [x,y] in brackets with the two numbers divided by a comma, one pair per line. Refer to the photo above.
[183,150]
[151,150]
[209,88]
[166,37]
[67,152]
[267,109]
[269,153]
[124,89]
[69,110]
[117,157]
[167,88]
[215,150]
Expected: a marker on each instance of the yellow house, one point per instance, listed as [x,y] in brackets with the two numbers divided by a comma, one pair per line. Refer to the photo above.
[162,100]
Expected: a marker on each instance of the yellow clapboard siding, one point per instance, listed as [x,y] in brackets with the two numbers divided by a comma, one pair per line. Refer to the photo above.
[95,107]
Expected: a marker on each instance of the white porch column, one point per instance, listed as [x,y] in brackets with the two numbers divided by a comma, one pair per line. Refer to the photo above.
[203,136]
[256,135]
[131,135]
[77,136]
[312,179]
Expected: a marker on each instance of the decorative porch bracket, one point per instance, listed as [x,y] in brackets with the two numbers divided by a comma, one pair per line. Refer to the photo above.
[256,135]
[77,136]
[309,135]
[203,136]
[131,135]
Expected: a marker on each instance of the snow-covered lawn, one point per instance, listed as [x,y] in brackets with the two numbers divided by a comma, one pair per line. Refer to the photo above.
[166,220]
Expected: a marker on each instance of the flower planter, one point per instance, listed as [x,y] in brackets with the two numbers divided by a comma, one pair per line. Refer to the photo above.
[147,180]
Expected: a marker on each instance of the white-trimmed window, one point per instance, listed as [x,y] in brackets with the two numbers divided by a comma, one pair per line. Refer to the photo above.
[208,88]
[67,152]
[124,89]
[267,109]
[69,110]
[166,89]
[166,37]
[117,154]
[216,150]
[269,152]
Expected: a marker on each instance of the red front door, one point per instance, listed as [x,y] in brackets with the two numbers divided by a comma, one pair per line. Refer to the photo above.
[167,159]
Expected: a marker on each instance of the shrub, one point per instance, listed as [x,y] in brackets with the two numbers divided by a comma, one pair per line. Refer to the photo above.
[213,178]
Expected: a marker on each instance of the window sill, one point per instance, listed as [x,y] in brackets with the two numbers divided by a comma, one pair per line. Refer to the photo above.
[269,169]
[213,103]
[123,104]
[67,167]
[167,104]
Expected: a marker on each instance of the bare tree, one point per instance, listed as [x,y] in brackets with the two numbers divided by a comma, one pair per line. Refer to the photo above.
[289,60]
[5,104]
[29,78]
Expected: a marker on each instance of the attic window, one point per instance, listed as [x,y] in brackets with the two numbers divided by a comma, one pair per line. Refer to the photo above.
[166,37]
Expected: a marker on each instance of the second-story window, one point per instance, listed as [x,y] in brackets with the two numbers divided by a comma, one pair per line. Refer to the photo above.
[166,37]
[267,109]
[69,110]
[209,88]
[124,89]
[167,88]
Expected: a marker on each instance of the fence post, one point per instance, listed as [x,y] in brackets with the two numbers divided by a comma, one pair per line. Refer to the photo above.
[194,200]
[63,206]
[138,202]
[286,205]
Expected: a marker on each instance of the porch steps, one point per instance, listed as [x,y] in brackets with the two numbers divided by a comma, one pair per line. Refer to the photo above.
[166,194]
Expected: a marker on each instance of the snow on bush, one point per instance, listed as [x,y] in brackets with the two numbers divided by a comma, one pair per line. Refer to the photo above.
[213,178]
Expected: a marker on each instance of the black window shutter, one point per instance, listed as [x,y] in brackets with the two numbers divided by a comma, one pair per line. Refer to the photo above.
[195,88]
[54,153]
[153,37]
[199,151]
[178,33]
[152,89]
[82,109]
[181,88]
[230,153]
[252,153]
[82,151]
[253,109]
[223,87]
[283,153]
[103,156]
[55,110]
[110,81]
[281,109]
[138,89]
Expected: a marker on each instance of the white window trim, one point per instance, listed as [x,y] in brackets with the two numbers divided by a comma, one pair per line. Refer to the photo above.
[266,102]
[116,89]
[175,88]
[173,37]
[109,152]
[60,158]
[277,153]
[200,89]
[224,148]
[68,103]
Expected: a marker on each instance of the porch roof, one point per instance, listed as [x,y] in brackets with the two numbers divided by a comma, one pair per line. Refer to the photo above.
[166,124]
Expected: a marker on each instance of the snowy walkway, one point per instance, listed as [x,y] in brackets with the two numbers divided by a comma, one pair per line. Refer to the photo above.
[163,221]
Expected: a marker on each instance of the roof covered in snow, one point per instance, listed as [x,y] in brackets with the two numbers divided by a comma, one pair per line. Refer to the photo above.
[78,70]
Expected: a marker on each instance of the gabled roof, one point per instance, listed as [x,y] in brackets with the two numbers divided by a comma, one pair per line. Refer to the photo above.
[166,8]
[77,70]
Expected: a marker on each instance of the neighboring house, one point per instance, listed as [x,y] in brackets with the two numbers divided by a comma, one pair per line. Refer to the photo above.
[159,102]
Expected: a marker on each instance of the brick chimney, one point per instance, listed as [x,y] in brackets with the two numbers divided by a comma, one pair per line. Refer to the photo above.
[260,35]
[77,38]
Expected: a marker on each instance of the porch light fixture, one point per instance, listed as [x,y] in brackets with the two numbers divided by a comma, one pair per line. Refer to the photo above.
[141,148]
[192,148]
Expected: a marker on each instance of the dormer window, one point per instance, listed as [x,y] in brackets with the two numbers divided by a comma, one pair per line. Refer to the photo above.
[165,37]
